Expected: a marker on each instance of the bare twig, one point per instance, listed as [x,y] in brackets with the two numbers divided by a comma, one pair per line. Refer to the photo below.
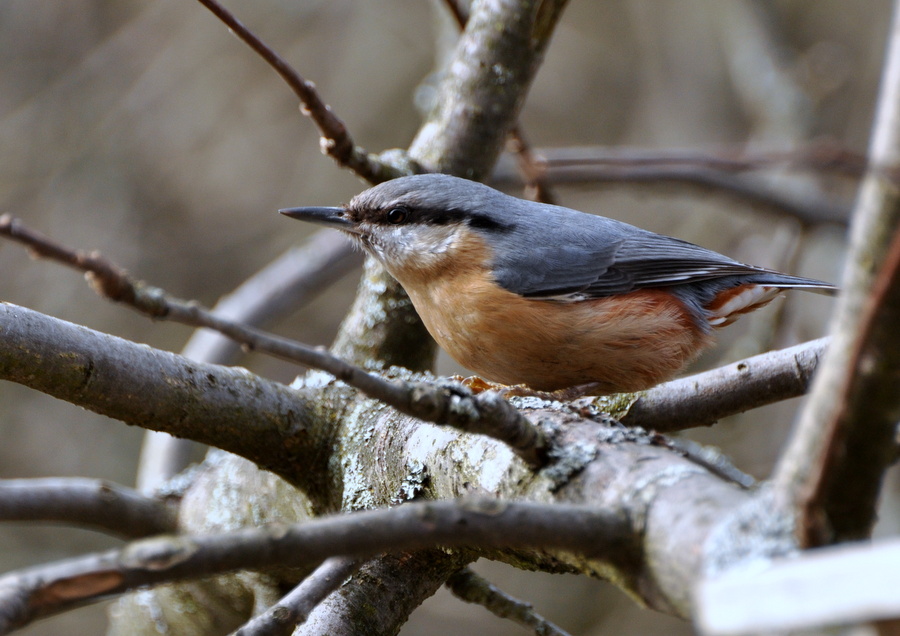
[335,141]
[472,588]
[93,503]
[281,287]
[716,169]
[710,457]
[294,608]
[48,589]
[834,463]
[531,167]
[806,207]
[450,404]
[704,398]
[820,157]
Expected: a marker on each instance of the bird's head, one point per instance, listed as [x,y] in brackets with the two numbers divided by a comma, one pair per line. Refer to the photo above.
[417,226]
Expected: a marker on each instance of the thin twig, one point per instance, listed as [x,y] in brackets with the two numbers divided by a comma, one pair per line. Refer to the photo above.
[714,169]
[704,398]
[295,607]
[35,592]
[279,289]
[710,457]
[93,503]
[807,208]
[820,157]
[531,167]
[450,404]
[472,588]
[336,141]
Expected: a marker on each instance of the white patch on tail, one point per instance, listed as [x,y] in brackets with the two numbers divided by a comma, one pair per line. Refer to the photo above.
[749,298]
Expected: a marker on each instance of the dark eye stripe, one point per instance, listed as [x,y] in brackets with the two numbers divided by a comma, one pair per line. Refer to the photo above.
[400,214]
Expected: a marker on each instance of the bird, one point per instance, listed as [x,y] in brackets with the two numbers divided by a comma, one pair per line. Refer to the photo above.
[545,297]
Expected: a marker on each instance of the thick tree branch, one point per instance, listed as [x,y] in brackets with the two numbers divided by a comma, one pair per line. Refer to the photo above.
[484,523]
[451,404]
[92,503]
[485,86]
[336,141]
[472,588]
[530,166]
[832,469]
[225,407]
[600,466]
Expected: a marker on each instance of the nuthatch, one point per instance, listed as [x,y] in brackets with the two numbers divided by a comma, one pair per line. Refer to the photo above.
[541,295]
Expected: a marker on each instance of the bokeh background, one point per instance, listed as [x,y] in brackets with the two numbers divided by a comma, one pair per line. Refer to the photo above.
[147,131]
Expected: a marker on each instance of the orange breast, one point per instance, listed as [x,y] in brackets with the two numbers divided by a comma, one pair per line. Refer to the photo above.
[622,343]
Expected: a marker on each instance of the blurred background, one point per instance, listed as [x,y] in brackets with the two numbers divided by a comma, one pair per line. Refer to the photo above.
[147,131]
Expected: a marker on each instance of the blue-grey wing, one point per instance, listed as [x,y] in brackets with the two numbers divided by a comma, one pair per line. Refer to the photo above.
[601,257]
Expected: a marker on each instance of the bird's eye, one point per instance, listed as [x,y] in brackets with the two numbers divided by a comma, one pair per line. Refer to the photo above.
[397,215]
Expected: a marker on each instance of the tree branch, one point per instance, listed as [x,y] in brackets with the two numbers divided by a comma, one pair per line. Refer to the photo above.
[96,504]
[296,606]
[704,398]
[601,466]
[225,407]
[832,468]
[711,170]
[820,157]
[49,589]
[823,591]
[399,583]
[485,86]
[472,588]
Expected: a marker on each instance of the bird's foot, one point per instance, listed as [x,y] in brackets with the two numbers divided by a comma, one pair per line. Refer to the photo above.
[477,385]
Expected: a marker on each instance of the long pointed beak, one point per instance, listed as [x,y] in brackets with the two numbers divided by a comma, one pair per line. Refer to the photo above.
[332,217]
